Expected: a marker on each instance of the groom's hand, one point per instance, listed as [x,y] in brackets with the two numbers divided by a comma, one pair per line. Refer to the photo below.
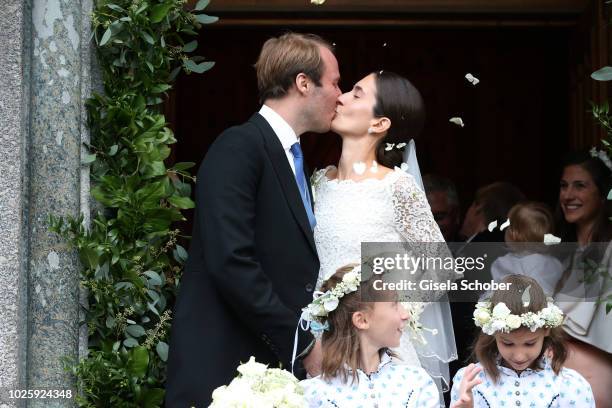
[314,359]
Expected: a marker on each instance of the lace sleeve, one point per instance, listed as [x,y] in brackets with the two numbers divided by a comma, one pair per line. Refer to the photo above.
[416,225]
[413,217]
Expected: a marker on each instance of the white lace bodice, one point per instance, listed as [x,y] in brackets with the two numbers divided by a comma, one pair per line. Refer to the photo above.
[392,209]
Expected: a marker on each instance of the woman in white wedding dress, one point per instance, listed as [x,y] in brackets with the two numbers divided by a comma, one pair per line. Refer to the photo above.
[367,198]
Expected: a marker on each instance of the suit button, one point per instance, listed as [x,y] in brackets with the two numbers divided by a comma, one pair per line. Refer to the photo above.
[309,287]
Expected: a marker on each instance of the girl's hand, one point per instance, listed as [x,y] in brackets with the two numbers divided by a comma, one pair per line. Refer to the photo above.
[469,381]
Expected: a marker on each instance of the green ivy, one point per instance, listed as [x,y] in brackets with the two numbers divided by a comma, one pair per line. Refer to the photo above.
[131,262]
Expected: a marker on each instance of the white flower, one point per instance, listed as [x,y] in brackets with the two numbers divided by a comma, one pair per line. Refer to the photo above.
[457,121]
[481,316]
[550,239]
[331,304]
[472,79]
[252,368]
[389,146]
[513,321]
[400,145]
[498,325]
[500,311]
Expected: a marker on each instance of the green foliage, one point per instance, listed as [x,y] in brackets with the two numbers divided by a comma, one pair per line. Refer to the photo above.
[601,113]
[131,262]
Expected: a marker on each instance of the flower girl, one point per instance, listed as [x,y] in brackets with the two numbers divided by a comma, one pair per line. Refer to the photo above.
[359,326]
[520,354]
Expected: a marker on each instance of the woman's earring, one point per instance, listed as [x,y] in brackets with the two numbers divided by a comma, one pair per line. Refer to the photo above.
[370,130]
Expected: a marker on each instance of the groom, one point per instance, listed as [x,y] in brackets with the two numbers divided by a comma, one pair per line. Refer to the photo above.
[252,262]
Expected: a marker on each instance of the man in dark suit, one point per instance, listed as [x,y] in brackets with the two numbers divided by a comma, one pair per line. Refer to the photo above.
[252,262]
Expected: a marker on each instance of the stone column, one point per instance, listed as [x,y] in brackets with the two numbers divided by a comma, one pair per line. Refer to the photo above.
[45,64]
[14,104]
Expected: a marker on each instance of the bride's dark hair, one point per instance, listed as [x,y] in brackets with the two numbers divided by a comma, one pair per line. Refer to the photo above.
[400,101]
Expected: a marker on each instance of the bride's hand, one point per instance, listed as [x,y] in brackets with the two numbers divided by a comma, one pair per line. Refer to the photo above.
[468,382]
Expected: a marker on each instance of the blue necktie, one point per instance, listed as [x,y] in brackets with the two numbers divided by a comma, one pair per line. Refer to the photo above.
[298,160]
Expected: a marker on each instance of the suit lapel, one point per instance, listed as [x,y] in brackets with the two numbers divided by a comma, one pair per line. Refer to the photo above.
[285,176]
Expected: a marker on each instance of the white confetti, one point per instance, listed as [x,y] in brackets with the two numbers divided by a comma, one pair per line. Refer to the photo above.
[359,167]
[550,239]
[472,79]
[492,225]
[385,44]
[505,225]
[457,121]
[374,168]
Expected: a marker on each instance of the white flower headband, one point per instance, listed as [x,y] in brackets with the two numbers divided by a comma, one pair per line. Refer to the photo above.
[601,155]
[501,319]
[317,311]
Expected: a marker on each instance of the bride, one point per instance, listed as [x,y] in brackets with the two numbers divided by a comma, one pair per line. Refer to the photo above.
[367,198]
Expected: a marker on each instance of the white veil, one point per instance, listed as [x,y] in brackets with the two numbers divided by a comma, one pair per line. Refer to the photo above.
[440,348]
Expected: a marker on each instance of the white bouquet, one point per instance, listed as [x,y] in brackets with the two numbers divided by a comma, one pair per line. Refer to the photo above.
[258,386]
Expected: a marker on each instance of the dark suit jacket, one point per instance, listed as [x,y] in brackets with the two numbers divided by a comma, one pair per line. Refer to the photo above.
[252,266]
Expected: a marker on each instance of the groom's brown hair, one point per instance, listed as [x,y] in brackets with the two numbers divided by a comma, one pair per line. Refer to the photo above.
[283,58]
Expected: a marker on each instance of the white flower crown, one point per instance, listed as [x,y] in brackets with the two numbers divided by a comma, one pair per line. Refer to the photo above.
[323,303]
[602,156]
[500,318]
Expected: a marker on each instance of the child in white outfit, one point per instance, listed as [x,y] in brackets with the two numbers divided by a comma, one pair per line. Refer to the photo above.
[529,223]
[520,354]
[358,368]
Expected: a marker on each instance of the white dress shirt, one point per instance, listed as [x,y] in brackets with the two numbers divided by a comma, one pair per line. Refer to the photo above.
[284,132]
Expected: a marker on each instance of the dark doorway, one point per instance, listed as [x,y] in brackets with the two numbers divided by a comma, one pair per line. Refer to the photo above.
[516,118]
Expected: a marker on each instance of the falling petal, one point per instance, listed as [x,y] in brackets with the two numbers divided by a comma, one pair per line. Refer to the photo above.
[359,167]
[550,239]
[472,79]
[457,121]
[526,298]
[389,146]
[374,168]
[492,225]
[505,225]
[385,44]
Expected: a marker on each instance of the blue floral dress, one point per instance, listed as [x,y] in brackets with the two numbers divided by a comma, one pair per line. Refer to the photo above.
[390,386]
[532,388]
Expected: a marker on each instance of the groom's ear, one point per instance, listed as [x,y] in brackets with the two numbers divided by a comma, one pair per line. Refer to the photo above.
[381,125]
[302,83]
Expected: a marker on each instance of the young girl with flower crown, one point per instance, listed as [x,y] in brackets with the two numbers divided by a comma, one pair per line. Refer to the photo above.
[520,353]
[359,325]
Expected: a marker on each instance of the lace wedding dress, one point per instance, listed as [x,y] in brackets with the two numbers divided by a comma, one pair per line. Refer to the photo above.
[391,209]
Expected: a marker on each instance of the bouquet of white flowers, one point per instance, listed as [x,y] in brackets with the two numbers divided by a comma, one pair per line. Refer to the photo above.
[258,386]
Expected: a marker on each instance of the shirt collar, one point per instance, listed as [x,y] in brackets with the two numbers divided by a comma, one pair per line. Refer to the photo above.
[543,363]
[284,132]
[385,358]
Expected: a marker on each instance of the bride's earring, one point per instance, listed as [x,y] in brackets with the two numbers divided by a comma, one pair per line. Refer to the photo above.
[374,168]
[370,131]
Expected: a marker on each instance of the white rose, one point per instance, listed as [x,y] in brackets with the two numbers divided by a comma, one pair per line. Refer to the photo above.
[481,316]
[252,369]
[513,321]
[331,304]
[498,325]
[500,311]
